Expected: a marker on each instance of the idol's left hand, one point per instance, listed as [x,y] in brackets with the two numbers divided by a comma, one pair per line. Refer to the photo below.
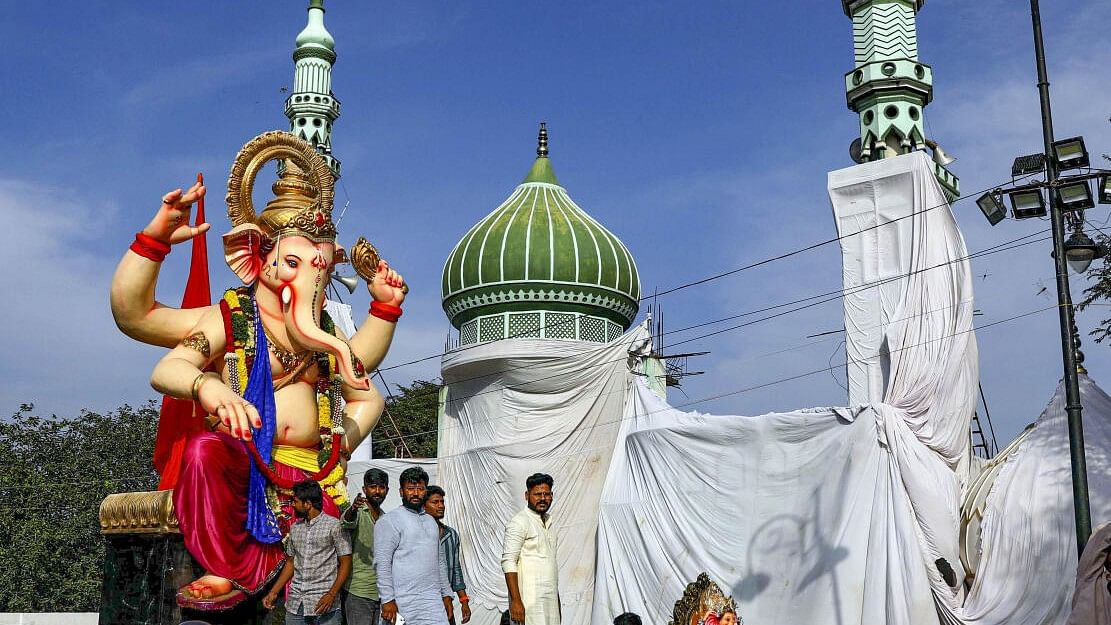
[388,287]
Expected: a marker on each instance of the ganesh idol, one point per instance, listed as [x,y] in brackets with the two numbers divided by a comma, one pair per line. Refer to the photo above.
[284,394]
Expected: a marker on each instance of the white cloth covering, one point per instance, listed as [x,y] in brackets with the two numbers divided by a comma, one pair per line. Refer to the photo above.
[393,468]
[518,407]
[530,551]
[1027,559]
[823,516]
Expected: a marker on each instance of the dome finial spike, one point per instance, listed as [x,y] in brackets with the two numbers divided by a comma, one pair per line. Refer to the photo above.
[542,141]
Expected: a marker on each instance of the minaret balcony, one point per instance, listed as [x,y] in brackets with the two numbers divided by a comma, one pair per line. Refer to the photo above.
[907,75]
[312,104]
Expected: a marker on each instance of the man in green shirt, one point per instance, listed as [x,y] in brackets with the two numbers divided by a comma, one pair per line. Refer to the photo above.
[363,606]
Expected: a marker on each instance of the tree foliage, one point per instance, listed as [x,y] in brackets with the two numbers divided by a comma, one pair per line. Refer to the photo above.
[414,409]
[55,473]
[1099,275]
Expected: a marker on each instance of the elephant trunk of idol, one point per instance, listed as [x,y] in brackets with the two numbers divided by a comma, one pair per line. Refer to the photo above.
[302,323]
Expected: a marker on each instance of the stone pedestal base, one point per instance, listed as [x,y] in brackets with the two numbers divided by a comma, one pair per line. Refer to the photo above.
[146,562]
[142,573]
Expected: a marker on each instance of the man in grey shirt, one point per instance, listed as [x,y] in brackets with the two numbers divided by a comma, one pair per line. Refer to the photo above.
[318,561]
[412,571]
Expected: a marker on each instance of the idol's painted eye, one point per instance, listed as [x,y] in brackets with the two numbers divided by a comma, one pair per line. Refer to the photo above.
[292,261]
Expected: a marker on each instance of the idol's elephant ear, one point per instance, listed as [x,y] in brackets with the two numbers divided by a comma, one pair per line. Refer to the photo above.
[242,252]
[339,256]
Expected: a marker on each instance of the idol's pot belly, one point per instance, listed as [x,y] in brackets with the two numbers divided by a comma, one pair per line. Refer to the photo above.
[297,418]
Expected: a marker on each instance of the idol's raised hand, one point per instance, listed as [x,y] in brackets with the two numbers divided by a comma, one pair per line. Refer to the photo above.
[387,286]
[171,222]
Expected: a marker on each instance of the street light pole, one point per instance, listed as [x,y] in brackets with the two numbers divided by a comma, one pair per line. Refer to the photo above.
[1081,510]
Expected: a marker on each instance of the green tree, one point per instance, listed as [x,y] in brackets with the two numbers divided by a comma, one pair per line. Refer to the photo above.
[1099,275]
[55,473]
[411,415]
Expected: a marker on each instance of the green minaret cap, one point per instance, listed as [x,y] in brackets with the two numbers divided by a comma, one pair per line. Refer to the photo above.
[315,34]
[542,169]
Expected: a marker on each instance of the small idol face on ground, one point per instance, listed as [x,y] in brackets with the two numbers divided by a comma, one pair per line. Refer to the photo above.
[375,494]
[412,494]
[435,506]
[539,498]
[728,619]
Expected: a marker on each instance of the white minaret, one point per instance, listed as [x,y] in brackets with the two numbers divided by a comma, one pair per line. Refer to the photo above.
[312,107]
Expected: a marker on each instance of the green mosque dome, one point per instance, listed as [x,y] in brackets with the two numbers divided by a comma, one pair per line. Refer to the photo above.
[539,266]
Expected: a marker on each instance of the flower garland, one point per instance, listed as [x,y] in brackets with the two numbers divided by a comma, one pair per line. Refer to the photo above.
[237,308]
[238,312]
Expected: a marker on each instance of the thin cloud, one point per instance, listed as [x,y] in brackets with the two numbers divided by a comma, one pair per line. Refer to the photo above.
[195,79]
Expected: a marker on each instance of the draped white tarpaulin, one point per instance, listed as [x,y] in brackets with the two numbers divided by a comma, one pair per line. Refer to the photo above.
[839,516]
[518,407]
[1027,554]
[824,516]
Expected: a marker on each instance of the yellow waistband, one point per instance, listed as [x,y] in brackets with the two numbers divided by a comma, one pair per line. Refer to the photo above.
[308,460]
[297,457]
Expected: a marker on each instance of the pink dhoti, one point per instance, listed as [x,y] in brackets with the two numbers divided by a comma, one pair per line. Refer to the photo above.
[211,504]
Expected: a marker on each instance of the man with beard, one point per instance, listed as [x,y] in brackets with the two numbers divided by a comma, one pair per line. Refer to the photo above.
[362,606]
[412,571]
[529,558]
[449,542]
[318,559]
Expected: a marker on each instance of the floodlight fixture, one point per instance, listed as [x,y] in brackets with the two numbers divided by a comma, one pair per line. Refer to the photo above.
[1070,153]
[1103,188]
[992,207]
[1074,196]
[1080,251]
[1029,164]
[1027,202]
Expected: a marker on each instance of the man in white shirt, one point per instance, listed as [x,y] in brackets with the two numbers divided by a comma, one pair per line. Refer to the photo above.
[529,558]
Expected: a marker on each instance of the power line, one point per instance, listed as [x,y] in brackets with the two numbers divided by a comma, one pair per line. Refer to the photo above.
[779,381]
[716,396]
[821,298]
[730,272]
[819,244]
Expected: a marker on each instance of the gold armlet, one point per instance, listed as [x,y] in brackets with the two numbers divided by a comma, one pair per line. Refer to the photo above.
[198,342]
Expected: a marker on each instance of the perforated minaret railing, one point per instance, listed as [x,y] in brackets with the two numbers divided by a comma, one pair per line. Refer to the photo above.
[889,87]
[312,107]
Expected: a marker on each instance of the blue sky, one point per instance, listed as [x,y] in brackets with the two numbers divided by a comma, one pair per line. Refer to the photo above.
[701,137]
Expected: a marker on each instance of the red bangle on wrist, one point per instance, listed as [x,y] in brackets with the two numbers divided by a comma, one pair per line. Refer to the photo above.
[149,247]
[386,312]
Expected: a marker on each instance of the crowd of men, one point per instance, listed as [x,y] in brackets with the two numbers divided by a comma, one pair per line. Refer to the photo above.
[369,566]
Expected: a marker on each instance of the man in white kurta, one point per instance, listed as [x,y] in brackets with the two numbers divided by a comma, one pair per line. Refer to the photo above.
[529,558]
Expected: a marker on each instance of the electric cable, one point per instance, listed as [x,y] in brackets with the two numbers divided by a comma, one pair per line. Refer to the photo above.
[739,391]
[821,298]
[727,273]
[791,378]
